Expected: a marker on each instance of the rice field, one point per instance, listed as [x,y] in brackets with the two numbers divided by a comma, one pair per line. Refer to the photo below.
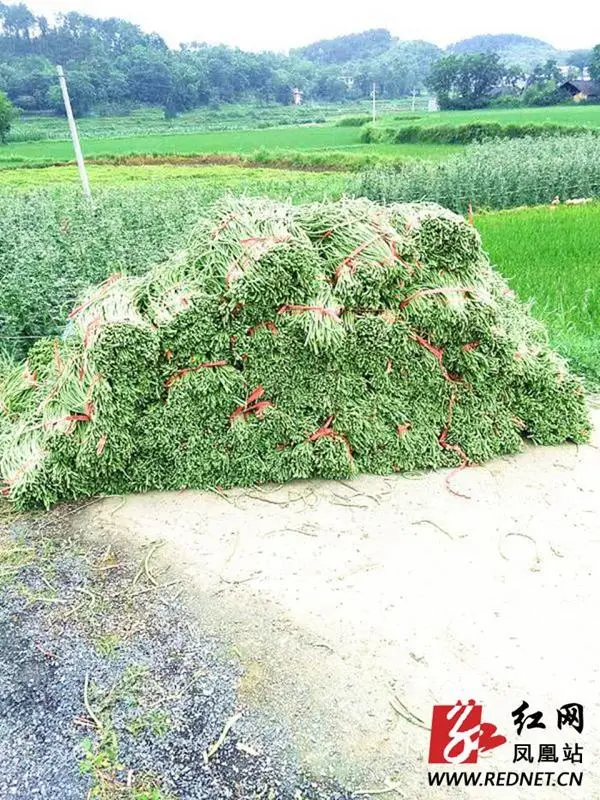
[570,114]
[551,256]
[319,144]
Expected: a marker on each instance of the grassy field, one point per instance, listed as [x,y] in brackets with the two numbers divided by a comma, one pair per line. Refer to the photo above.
[296,141]
[323,144]
[572,114]
[551,256]
[229,116]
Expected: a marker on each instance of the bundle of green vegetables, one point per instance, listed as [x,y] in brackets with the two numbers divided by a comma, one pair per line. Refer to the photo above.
[287,342]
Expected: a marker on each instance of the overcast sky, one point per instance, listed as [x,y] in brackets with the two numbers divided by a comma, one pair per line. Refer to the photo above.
[277,25]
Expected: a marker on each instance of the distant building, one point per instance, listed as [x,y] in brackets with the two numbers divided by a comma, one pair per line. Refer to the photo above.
[582,89]
[297,96]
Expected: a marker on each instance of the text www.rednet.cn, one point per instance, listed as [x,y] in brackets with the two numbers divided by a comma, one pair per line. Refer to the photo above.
[505,778]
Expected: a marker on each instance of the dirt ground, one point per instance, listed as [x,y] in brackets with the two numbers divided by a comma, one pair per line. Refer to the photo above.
[356,606]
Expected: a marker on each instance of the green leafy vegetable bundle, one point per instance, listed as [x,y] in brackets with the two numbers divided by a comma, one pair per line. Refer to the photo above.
[287,342]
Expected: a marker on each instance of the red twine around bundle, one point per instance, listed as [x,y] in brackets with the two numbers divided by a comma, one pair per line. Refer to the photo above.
[441,290]
[180,374]
[327,430]
[252,405]
[349,260]
[97,295]
[270,326]
[455,448]
[470,346]
[438,352]
[402,429]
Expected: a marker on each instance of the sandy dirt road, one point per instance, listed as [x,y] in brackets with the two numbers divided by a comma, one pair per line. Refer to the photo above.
[343,600]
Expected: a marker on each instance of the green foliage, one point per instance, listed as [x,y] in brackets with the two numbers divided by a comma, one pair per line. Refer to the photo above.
[112,62]
[289,342]
[594,63]
[81,94]
[466,81]
[525,51]
[7,114]
[466,133]
[494,174]
[353,47]
[542,94]
[353,122]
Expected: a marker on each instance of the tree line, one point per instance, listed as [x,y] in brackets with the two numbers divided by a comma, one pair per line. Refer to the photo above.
[112,63]
[476,80]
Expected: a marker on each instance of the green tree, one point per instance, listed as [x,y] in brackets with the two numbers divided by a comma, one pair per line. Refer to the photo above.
[466,81]
[7,114]
[544,73]
[579,59]
[594,64]
[81,94]
[543,85]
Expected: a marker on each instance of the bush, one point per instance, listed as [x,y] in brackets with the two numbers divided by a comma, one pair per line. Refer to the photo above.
[466,133]
[506,101]
[7,113]
[545,94]
[494,174]
[353,122]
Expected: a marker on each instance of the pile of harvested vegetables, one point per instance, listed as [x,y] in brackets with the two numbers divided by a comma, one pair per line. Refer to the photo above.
[287,342]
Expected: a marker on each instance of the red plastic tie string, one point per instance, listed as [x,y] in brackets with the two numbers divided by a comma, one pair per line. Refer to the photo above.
[180,374]
[252,405]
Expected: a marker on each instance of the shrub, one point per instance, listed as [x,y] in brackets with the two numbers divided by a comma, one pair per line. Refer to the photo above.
[466,133]
[544,94]
[7,113]
[353,122]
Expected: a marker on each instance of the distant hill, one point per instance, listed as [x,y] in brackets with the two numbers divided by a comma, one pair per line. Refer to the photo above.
[525,51]
[353,47]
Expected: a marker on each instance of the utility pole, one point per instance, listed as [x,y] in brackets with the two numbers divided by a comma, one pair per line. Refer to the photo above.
[414,95]
[374,95]
[75,138]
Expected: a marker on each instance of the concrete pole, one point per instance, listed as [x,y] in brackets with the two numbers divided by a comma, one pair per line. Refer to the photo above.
[73,128]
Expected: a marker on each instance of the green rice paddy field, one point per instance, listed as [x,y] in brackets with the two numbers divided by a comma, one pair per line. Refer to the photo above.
[571,114]
[326,144]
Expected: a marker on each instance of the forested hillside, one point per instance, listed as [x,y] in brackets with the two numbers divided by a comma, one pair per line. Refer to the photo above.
[524,51]
[113,65]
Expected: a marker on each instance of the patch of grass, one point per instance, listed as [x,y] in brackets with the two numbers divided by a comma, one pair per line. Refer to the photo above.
[551,256]
[107,644]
